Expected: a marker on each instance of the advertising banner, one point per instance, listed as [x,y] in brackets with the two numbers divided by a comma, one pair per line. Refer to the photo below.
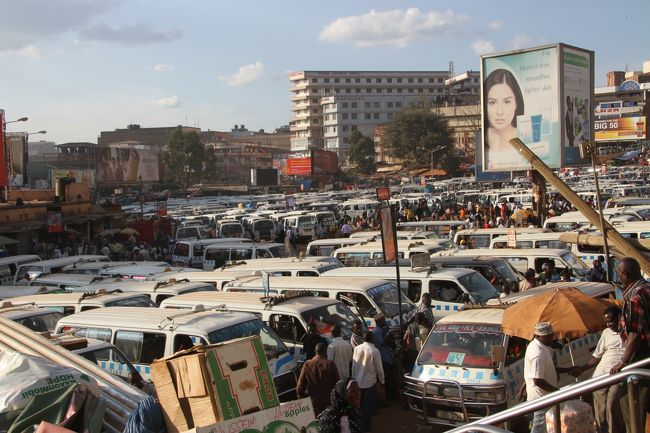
[388,242]
[299,166]
[127,163]
[481,175]
[16,151]
[80,176]
[577,100]
[54,222]
[621,128]
[542,96]
[324,162]
[3,167]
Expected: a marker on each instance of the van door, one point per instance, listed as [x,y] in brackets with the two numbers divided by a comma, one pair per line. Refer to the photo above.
[141,348]
[291,331]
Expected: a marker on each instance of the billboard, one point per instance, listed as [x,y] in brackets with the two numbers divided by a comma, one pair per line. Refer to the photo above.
[127,163]
[481,175]
[264,177]
[16,151]
[324,162]
[620,128]
[544,97]
[80,176]
[3,168]
[298,166]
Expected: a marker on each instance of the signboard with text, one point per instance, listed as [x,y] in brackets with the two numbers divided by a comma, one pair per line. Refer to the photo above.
[544,97]
[388,242]
[621,129]
[127,163]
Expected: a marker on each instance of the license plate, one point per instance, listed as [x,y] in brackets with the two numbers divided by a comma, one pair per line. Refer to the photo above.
[445,414]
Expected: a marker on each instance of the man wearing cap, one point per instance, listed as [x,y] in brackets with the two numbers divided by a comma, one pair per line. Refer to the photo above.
[540,373]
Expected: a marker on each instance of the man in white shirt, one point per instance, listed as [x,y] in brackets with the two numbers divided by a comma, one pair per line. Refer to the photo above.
[609,352]
[540,373]
[367,371]
[340,352]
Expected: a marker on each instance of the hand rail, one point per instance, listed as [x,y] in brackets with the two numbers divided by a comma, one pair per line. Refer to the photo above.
[631,372]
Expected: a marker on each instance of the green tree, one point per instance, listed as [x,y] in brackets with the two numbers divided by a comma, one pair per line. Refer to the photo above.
[362,152]
[414,133]
[183,158]
[209,165]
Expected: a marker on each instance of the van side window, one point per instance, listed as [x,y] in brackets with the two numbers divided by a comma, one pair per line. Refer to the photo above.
[516,349]
[307,274]
[261,254]
[362,302]
[66,311]
[140,347]
[283,325]
[414,290]
[183,342]
[87,307]
[445,291]
[220,257]
[96,333]
[241,254]
[520,264]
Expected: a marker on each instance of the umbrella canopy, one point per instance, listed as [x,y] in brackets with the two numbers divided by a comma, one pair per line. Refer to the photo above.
[129,231]
[108,232]
[571,313]
[7,241]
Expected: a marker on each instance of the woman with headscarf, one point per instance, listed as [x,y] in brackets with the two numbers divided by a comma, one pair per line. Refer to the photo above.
[342,416]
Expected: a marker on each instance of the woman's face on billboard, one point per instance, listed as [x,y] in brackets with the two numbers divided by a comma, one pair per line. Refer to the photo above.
[501,106]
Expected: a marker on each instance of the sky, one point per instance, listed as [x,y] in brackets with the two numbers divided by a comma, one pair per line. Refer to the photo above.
[79,67]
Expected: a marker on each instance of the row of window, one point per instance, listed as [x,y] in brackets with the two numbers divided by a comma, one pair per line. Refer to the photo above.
[410,90]
[383,80]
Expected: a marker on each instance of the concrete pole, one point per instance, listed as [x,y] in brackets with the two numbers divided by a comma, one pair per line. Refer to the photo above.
[618,241]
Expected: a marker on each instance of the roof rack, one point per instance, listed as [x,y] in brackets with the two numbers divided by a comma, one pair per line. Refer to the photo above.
[198,308]
[278,299]
[170,282]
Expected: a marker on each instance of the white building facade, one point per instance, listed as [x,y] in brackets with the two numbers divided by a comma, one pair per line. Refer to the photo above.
[328,106]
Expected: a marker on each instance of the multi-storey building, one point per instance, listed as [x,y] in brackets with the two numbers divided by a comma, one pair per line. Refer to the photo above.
[328,106]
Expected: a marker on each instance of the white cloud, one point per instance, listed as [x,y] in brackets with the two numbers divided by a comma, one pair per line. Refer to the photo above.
[29,52]
[495,25]
[170,102]
[162,67]
[245,75]
[483,47]
[396,28]
[522,40]
[138,34]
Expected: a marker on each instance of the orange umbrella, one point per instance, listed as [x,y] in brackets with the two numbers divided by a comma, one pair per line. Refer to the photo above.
[571,313]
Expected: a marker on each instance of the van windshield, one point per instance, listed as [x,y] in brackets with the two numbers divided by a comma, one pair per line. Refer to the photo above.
[273,346]
[464,345]
[41,322]
[479,287]
[578,265]
[137,301]
[328,316]
[231,230]
[385,296]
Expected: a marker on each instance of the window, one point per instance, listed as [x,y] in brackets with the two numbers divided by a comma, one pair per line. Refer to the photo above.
[314,80]
[368,80]
[307,274]
[366,105]
[96,333]
[377,80]
[362,303]
[347,80]
[367,116]
[140,347]
[353,105]
[357,80]
[357,90]
[348,90]
[519,263]
[344,116]
[315,121]
[389,80]
[411,90]
[399,80]
[345,128]
[430,80]
[440,80]
[410,80]
[264,253]
[516,349]
[398,104]
[375,104]
[375,115]
[354,116]
[389,104]
[344,105]
[389,90]
[368,90]
[413,289]
[284,326]
[326,80]
[336,80]
[389,116]
[314,101]
[445,291]
[353,128]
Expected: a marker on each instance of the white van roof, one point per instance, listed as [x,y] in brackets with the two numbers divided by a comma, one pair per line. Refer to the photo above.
[61,278]
[388,272]
[19,258]
[63,261]
[97,298]
[155,319]
[488,316]
[508,252]
[592,289]
[308,283]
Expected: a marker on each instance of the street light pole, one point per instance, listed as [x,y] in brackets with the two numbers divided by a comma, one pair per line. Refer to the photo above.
[432,151]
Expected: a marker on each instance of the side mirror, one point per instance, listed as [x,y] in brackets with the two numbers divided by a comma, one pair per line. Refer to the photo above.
[465,298]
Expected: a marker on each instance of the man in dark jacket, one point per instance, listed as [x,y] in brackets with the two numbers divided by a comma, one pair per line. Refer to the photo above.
[317,379]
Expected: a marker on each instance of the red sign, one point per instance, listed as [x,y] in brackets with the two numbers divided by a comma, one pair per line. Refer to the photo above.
[54,222]
[299,166]
[324,162]
[383,194]
[3,161]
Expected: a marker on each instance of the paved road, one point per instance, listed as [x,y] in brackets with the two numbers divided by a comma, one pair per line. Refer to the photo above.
[394,419]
